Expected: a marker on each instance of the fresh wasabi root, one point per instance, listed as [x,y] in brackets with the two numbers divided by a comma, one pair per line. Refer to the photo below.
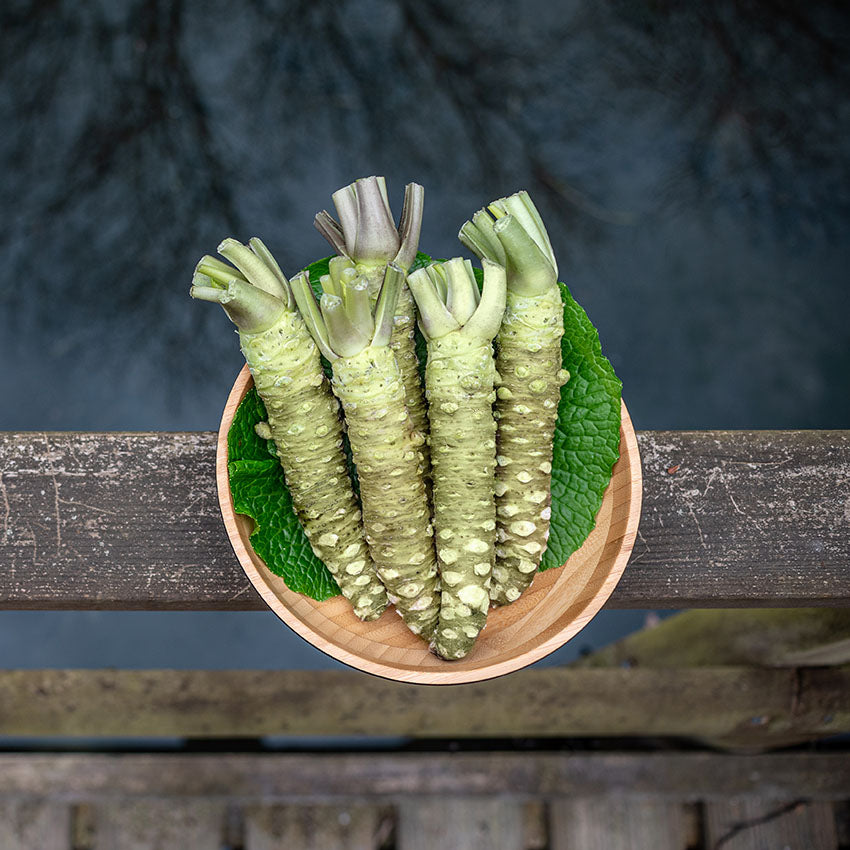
[459,379]
[303,415]
[385,447]
[367,236]
[529,364]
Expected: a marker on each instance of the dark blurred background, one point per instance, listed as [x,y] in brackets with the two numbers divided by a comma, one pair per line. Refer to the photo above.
[690,160]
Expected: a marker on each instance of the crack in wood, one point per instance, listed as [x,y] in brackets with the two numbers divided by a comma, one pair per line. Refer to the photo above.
[742,826]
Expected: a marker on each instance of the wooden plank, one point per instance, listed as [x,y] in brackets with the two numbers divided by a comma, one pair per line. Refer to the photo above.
[762,705]
[758,824]
[767,638]
[158,825]
[462,823]
[28,824]
[131,521]
[80,778]
[535,829]
[617,823]
[357,827]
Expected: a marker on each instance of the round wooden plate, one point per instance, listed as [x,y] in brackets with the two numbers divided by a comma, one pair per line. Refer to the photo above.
[559,603]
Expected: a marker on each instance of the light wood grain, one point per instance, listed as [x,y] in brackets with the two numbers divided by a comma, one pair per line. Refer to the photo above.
[305,827]
[29,824]
[158,825]
[559,603]
[617,823]
[385,777]
[460,823]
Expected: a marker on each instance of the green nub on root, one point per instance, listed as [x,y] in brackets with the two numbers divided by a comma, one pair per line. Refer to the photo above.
[367,236]
[459,325]
[384,444]
[303,415]
[528,361]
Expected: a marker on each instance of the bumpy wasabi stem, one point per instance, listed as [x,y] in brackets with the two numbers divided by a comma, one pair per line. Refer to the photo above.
[303,415]
[368,237]
[459,381]
[385,447]
[529,365]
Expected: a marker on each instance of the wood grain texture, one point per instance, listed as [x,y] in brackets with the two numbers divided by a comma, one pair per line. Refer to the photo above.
[131,521]
[461,823]
[773,637]
[28,824]
[158,825]
[760,824]
[276,778]
[355,827]
[605,823]
[760,706]
[557,605]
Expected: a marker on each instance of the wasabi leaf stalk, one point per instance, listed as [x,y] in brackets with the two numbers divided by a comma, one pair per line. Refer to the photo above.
[367,236]
[384,444]
[529,364]
[459,325]
[303,415]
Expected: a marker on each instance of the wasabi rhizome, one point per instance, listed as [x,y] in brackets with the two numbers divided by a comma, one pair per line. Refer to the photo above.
[528,360]
[384,444]
[303,415]
[481,537]
[459,325]
[367,236]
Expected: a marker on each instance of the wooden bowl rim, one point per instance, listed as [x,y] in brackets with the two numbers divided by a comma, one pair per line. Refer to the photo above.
[242,385]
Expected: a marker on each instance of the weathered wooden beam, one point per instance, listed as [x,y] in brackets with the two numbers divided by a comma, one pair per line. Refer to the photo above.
[136,825]
[761,707]
[357,827]
[461,821]
[131,521]
[25,824]
[798,637]
[756,824]
[268,778]
[600,823]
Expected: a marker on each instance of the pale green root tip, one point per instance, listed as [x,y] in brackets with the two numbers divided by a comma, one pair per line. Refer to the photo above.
[342,275]
[529,271]
[393,283]
[367,225]
[478,236]
[437,276]
[522,208]
[358,305]
[309,309]
[336,268]
[366,232]
[344,337]
[254,269]
[217,270]
[326,225]
[251,309]
[328,285]
[434,318]
[462,290]
[487,318]
[410,225]
[259,248]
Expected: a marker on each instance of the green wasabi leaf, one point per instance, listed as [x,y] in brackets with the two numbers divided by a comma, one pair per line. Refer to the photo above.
[259,490]
[587,436]
[315,272]
[586,446]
